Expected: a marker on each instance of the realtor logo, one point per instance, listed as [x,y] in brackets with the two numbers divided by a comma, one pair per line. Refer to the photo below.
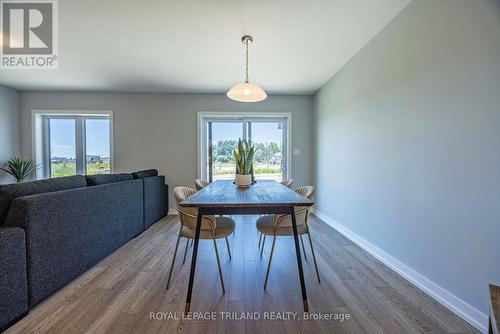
[29,34]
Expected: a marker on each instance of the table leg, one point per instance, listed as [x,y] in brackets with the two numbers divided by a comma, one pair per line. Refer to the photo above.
[193,262]
[299,261]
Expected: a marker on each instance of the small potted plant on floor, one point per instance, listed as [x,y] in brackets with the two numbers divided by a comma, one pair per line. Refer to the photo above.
[20,168]
[243,155]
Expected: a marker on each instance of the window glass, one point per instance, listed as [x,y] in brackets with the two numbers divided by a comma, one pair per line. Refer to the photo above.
[268,141]
[224,141]
[76,145]
[97,146]
[220,137]
[62,147]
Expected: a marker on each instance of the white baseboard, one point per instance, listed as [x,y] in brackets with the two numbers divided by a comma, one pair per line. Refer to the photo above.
[172,212]
[467,312]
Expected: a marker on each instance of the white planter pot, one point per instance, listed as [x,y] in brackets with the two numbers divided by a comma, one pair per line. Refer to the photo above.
[243,180]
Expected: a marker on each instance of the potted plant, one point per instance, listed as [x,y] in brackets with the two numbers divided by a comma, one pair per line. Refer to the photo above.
[20,168]
[243,155]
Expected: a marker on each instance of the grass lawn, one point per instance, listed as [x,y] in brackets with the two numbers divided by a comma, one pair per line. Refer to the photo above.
[60,169]
[224,172]
[261,172]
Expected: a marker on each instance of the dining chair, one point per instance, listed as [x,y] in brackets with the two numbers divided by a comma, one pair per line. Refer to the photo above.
[200,184]
[281,225]
[211,228]
[287,183]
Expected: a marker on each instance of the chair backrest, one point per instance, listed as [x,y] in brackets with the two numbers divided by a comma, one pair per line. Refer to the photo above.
[200,184]
[300,211]
[287,183]
[306,191]
[189,215]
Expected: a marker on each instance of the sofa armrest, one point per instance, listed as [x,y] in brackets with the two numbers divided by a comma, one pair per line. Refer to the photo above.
[155,199]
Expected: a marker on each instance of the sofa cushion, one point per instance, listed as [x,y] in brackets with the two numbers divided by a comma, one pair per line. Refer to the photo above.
[145,173]
[10,192]
[95,180]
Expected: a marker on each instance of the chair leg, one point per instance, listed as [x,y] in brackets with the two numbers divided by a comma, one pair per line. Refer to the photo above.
[228,249]
[263,242]
[303,248]
[185,251]
[269,265]
[260,239]
[192,242]
[173,261]
[314,256]
[220,269]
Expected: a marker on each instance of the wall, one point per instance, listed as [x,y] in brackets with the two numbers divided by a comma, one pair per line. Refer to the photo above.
[9,128]
[160,130]
[408,145]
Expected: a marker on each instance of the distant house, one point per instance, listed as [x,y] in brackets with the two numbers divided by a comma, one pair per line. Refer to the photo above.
[276,159]
[92,159]
[62,160]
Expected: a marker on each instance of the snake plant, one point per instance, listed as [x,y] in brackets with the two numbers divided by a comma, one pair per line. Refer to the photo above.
[243,155]
[20,168]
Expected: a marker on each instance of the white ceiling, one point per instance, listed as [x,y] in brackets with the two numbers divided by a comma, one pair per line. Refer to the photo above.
[194,45]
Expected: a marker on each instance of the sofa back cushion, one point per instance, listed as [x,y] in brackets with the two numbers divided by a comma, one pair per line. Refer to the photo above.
[142,174]
[10,192]
[95,180]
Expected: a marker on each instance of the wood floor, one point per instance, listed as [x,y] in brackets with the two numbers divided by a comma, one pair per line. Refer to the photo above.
[120,293]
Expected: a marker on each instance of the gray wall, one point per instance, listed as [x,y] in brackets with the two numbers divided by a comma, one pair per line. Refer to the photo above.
[160,130]
[9,128]
[408,144]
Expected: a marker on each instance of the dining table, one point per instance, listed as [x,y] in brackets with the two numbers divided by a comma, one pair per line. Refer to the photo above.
[224,197]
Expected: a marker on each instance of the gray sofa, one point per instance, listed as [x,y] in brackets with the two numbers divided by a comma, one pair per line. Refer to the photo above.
[54,230]
[13,280]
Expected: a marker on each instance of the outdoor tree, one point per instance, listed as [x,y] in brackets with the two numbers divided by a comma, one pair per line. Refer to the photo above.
[266,152]
[222,152]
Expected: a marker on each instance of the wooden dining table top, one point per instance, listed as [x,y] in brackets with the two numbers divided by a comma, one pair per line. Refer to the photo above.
[263,193]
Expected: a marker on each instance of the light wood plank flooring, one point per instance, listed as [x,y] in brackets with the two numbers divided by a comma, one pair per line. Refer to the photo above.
[119,294]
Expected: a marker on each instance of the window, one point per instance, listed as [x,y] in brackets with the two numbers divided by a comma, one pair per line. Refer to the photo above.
[219,134]
[70,144]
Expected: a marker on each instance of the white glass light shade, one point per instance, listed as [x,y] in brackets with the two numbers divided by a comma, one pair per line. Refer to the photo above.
[246,92]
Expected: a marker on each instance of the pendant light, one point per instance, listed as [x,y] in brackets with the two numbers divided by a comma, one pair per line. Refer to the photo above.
[246,91]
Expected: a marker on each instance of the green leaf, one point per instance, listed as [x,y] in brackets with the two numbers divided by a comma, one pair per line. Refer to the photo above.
[20,168]
[243,157]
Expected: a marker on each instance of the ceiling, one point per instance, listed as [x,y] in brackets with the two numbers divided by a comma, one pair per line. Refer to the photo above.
[194,45]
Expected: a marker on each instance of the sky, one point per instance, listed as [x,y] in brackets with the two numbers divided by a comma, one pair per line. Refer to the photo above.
[261,132]
[62,137]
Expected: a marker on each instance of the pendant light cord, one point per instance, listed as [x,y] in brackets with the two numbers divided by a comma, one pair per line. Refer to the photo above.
[246,64]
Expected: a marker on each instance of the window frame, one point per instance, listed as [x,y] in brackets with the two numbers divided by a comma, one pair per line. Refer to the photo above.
[245,117]
[41,137]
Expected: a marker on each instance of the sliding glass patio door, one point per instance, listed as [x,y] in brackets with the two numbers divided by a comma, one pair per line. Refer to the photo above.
[220,137]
